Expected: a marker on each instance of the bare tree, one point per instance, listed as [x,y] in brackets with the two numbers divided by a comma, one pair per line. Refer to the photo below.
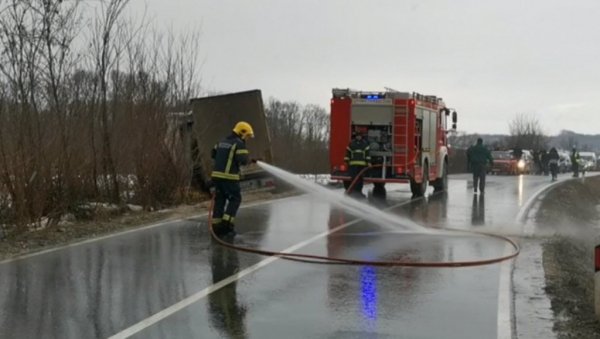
[106,53]
[59,23]
[23,159]
[526,132]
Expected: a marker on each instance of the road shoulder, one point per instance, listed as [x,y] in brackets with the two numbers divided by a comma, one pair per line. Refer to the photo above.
[41,241]
[553,276]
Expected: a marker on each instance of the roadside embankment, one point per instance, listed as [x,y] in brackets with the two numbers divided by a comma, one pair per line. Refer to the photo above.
[107,223]
[570,213]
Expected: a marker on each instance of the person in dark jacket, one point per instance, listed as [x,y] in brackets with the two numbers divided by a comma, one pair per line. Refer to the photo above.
[536,161]
[358,158]
[544,161]
[517,153]
[229,154]
[478,157]
[553,158]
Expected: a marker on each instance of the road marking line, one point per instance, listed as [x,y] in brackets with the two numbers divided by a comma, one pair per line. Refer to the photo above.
[505,301]
[153,319]
[120,233]
[524,211]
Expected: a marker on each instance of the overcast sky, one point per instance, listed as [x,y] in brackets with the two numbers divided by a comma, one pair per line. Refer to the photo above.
[488,59]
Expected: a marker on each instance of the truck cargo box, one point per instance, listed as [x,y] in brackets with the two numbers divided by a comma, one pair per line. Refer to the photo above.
[212,118]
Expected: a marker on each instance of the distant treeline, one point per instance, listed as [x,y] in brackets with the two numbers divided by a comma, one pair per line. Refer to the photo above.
[564,140]
[299,135]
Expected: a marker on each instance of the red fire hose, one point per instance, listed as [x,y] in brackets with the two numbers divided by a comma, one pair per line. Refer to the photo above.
[343,261]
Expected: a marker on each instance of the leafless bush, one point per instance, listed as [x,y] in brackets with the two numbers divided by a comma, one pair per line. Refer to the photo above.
[82,125]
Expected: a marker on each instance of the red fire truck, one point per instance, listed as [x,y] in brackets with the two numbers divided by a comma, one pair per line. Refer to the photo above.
[407,133]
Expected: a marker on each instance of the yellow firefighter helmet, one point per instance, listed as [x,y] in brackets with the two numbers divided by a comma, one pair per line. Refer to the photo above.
[244,130]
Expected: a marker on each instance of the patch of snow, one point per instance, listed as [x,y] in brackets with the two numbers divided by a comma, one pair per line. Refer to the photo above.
[135,208]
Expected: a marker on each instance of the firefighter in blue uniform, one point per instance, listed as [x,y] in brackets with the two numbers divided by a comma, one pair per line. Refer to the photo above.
[229,154]
[358,158]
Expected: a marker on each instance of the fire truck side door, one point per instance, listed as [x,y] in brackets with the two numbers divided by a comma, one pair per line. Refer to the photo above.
[433,121]
[419,141]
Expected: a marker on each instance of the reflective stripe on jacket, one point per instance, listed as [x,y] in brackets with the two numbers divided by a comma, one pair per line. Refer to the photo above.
[357,153]
[229,154]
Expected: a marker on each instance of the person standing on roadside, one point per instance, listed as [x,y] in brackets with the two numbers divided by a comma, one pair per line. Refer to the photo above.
[517,153]
[553,158]
[575,162]
[478,157]
[544,161]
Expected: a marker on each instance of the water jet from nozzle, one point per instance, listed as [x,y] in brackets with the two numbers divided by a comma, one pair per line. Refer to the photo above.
[362,210]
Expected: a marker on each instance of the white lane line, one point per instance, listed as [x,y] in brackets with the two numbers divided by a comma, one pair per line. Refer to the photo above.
[505,310]
[524,211]
[505,298]
[153,319]
[121,233]
[205,292]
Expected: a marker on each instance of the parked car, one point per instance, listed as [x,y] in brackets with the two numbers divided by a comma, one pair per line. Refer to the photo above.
[564,162]
[506,163]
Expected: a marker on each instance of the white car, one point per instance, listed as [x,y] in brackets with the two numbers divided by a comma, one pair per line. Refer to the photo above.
[564,162]
[587,161]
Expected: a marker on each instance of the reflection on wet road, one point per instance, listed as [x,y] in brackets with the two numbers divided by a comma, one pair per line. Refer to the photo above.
[99,289]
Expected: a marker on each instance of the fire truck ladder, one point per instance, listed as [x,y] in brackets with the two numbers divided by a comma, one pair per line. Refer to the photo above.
[401,135]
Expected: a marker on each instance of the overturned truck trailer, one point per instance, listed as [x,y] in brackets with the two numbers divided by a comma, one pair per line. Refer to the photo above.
[212,118]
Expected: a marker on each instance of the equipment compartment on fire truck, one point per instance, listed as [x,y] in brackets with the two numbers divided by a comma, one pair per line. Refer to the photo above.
[407,133]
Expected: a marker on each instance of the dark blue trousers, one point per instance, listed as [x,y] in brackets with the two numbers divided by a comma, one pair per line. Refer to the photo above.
[479,172]
[228,198]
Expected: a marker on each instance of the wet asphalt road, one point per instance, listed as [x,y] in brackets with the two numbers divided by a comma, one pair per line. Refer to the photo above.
[99,289]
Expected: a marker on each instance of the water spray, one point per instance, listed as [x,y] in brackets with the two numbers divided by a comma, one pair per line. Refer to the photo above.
[364,212]
[348,203]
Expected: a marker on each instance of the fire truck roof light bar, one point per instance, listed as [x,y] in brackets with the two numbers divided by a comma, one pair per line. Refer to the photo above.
[372,95]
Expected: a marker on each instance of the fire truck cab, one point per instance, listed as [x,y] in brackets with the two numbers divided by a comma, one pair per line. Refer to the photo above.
[407,133]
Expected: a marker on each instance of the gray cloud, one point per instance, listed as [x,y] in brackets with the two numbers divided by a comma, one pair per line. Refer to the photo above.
[489,60]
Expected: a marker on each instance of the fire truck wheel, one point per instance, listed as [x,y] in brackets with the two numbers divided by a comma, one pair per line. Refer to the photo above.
[441,184]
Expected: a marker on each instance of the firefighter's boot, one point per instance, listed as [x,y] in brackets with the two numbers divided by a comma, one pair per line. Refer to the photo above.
[229,229]
[228,226]
[219,228]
